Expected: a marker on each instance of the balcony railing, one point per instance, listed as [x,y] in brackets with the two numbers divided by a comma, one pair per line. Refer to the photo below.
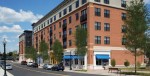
[83,18]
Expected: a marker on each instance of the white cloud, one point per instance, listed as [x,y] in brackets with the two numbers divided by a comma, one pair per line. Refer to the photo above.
[8,15]
[6,37]
[14,28]
[147,1]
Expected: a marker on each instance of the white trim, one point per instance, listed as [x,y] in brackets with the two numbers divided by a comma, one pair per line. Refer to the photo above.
[107,48]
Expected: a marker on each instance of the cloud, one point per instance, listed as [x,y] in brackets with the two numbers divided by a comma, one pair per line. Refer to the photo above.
[8,15]
[14,28]
[147,1]
[6,37]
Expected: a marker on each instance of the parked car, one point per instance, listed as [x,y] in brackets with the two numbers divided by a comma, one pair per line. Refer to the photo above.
[29,64]
[23,63]
[8,67]
[58,67]
[35,65]
[47,66]
[1,63]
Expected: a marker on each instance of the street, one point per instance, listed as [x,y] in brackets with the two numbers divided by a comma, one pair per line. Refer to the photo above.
[23,70]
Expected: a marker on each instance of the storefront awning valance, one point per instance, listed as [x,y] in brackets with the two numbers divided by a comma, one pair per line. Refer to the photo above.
[102,56]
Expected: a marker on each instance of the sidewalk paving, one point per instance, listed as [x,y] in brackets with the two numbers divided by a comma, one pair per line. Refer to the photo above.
[96,72]
[2,72]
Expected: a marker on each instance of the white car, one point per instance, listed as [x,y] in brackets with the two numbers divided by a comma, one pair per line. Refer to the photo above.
[29,64]
[8,67]
[47,66]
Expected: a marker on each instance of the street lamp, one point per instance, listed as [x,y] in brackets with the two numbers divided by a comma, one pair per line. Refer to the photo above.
[4,43]
[70,61]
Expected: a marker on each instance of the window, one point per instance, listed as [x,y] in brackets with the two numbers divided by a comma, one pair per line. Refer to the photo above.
[76,27]
[84,25]
[59,14]
[106,13]
[84,1]
[70,31]
[54,36]
[54,27]
[70,43]
[98,61]
[51,20]
[97,26]
[106,1]
[106,40]
[59,24]
[83,12]
[97,0]
[65,11]
[70,8]
[123,16]
[123,3]
[48,22]
[59,34]
[77,3]
[97,39]
[124,40]
[54,18]
[102,61]
[97,11]
[77,16]
[106,27]
[124,29]
[70,19]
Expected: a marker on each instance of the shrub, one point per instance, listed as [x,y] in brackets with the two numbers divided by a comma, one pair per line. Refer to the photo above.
[113,62]
[126,63]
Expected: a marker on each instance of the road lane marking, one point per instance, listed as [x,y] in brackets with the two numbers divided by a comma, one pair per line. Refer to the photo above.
[41,71]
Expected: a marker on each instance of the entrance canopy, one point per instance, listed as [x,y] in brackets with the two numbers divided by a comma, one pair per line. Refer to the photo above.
[71,57]
[102,56]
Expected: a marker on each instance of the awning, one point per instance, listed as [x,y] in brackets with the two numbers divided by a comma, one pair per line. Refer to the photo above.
[71,57]
[102,56]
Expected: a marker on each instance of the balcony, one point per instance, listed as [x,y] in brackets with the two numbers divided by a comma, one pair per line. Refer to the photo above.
[123,5]
[51,32]
[64,25]
[64,36]
[83,17]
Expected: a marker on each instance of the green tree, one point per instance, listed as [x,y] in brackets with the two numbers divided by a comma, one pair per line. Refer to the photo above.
[30,52]
[81,42]
[136,22]
[58,50]
[14,55]
[43,50]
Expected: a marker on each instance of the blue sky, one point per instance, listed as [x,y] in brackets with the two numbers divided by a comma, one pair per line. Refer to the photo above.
[18,15]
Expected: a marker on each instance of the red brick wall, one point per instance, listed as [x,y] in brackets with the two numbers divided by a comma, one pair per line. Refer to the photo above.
[121,56]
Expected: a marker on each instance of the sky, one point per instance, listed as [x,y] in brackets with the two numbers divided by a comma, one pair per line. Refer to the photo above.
[18,15]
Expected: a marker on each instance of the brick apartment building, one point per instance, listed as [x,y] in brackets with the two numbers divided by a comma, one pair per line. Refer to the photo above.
[103,20]
[25,40]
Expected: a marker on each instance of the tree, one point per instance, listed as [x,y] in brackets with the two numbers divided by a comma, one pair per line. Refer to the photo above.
[58,50]
[14,55]
[30,52]
[44,50]
[136,26]
[81,42]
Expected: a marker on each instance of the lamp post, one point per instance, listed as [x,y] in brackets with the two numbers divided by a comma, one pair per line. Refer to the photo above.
[4,43]
[70,61]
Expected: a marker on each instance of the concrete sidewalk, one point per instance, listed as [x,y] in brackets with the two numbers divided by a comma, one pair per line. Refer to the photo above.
[2,72]
[96,72]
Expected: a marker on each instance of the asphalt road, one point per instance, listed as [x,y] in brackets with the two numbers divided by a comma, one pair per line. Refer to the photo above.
[23,70]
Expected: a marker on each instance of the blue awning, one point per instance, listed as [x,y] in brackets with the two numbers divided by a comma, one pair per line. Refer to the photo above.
[70,57]
[102,56]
